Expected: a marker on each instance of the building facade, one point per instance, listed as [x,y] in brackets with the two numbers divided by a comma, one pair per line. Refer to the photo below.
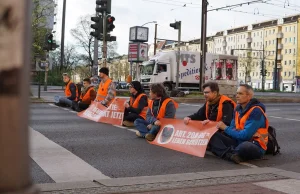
[258,45]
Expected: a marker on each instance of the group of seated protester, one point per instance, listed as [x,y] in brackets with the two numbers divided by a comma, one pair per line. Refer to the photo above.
[243,127]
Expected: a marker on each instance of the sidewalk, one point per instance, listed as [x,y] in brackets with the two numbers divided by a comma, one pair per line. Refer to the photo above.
[250,180]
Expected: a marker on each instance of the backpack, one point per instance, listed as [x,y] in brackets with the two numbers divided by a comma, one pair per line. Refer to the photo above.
[272,146]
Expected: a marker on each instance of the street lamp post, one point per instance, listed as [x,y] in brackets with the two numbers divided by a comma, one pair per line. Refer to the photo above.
[155,34]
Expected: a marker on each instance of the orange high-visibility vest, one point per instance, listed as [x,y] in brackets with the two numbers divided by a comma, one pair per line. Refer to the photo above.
[68,91]
[220,108]
[162,110]
[87,97]
[261,136]
[103,90]
[135,104]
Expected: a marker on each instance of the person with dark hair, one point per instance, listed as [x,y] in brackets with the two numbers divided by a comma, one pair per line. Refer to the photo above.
[137,106]
[246,137]
[160,106]
[216,108]
[88,94]
[71,93]
[107,90]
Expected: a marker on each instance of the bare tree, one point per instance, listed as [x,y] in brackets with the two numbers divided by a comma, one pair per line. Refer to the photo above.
[86,42]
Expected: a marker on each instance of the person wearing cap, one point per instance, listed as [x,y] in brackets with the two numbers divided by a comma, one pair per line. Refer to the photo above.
[107,90]
[71,93]
[137,106]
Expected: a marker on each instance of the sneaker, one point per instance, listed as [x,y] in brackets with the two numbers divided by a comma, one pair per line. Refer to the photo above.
[236,158]
[128,124]
[138,134]
[150,137]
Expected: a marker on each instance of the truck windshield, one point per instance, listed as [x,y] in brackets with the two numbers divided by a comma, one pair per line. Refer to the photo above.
[147,68]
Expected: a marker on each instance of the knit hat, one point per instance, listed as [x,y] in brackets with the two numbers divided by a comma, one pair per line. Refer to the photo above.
[137,86]
[104,70]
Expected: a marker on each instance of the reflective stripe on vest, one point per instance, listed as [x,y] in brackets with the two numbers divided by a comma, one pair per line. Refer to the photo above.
[220,107]
[162,110]
[68,91]
[135,104]
[87,96]
[103,90]
[261,135]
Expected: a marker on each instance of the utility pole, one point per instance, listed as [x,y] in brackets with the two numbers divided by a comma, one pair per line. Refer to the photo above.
[46,71]
[155,37]
[178,56]
[203,42]
[104,47]
[275,68]
[15,41]
[62,54]
[95,63]
[263,70]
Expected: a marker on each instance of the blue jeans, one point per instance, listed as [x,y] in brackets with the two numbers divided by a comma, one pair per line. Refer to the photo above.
[63,100]
[224,146]
[141,126]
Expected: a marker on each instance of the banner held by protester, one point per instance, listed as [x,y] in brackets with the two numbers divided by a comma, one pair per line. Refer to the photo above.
[191,139]
[111,115]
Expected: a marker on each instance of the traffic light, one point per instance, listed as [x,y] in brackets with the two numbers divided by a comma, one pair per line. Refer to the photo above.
[98,27]
[50,44]
[176,25]
[105,5]
[110,23]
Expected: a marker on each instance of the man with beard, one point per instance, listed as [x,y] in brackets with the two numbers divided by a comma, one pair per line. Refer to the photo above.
[88,94]
[216,108]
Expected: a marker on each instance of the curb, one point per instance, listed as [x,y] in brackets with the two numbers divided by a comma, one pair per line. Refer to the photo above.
[171,181]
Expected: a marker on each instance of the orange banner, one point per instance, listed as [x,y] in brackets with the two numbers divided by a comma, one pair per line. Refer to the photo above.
[112,115]
[191,139]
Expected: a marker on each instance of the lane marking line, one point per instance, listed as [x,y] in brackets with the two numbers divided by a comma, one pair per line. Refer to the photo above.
[59,163]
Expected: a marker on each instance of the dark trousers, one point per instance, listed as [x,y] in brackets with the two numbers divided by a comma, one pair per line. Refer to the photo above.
[130,116]
[79,106]
[224,146]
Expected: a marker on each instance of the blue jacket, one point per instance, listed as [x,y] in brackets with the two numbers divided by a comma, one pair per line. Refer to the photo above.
[255,121]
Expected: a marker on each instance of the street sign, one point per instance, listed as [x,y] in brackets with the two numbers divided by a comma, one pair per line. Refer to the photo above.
[137,52]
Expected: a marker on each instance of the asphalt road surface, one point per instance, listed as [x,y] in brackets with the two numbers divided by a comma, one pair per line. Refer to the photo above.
[117,152]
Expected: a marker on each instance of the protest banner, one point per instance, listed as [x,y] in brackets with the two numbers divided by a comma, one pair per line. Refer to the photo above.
[112,115]
[191,139]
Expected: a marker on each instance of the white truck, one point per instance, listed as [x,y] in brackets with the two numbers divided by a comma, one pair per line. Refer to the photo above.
[161,68]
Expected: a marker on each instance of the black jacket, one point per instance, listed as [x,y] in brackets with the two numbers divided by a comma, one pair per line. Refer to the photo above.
[213,113]
[142,104]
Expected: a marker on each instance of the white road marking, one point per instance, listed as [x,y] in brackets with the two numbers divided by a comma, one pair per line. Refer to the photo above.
[291,186]
[123,127]
[284,118]
[190,104]
[273,109]
[59,163]
[66,109]
[73,111]
[51,104]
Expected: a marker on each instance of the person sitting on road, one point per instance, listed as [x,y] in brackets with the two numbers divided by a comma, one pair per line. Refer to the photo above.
[137,106]
[160,106]
[107,90]
[71,93]
[246,137]
[217,107]
[88,94]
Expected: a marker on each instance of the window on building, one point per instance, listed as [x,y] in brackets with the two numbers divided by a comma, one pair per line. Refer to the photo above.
[269,42]
[273,31]
[286,29]
[273,41]
[293,74]
[294,51]
[254,44]
[291,39]
[289,74]
[269,31]
[285,51]
[252,73]
[294,28]
[284,73]
[294,40]
[273,63]
[266,43]
[290,28]
[290,51]
[290,62]
[273,53]
[256,74]
[294,62]
[285,40]
[285,62]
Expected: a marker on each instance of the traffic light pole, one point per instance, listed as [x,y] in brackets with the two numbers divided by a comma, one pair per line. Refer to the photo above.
[104,47]
[62,54]
[178,56]
[203,42]
[263,70]
[275,85]
[94,68]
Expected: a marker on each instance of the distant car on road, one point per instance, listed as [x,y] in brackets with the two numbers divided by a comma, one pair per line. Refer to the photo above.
[121,85]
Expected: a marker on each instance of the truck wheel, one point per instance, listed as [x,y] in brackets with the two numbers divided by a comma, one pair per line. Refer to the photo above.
[168,87]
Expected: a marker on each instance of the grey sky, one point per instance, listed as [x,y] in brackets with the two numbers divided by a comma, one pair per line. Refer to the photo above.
[137,12]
